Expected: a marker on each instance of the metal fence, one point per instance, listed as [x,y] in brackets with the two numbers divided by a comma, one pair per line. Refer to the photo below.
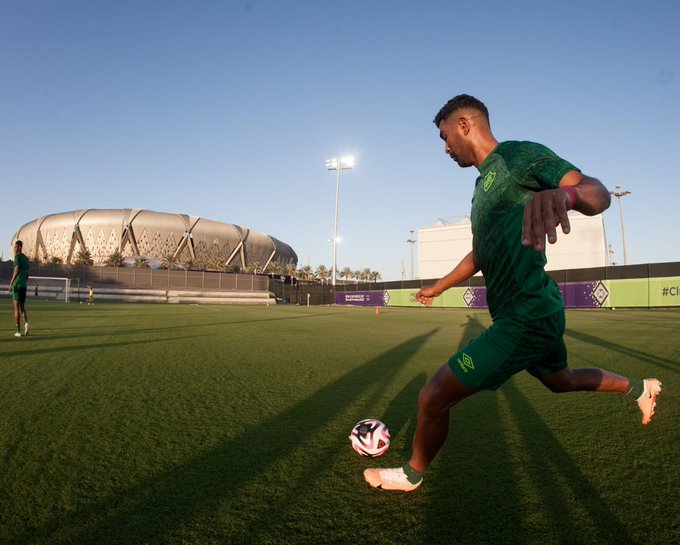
[145,278]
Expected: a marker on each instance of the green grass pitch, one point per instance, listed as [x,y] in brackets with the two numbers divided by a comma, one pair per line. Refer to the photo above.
[174,424]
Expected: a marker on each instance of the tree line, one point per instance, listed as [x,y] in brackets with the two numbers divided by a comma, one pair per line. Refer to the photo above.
[306,273]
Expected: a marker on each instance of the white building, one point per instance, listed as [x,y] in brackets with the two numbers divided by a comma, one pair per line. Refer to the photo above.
[443,245]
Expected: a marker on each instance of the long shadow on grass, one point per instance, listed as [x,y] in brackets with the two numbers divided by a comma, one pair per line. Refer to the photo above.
[400,415]
[98,346]
[471,484]
[647,357]
[161,508]
[108,329]
[559,482]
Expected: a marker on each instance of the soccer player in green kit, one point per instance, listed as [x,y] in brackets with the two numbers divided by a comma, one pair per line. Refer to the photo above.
[18,286]
[522,194]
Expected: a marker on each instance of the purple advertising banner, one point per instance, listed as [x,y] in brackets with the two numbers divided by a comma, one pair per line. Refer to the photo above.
[475,297]
[584,294]
[362,298]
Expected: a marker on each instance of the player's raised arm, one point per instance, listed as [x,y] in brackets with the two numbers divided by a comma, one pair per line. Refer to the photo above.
[548,209]
[467,268]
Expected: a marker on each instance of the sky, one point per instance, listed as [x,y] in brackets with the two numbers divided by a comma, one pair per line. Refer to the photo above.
[228,110]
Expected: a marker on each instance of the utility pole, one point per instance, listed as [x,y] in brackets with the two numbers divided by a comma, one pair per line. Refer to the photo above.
[618,194]
[411,241]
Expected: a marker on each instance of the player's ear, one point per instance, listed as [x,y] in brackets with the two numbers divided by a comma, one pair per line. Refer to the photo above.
[464,125]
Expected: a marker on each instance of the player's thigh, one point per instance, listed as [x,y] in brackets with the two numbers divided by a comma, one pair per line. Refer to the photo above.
[508,347]
[443,391]
[22,297]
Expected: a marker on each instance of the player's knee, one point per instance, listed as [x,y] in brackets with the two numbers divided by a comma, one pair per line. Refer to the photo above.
[559,383]
[431,400]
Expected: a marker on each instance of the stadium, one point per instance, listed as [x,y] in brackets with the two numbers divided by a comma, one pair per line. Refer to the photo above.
[154,236]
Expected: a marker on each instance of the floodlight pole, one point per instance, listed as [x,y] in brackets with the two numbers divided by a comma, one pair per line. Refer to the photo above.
[618,194]
[411,241]
[337,164]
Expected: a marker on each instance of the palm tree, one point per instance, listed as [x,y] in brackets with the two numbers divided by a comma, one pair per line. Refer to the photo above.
[255,267]
[274,267]
[291,270]
[115,259]
[365,274]
[83,257]
[346,273]
[169,262]
[54,260]
[357,276]
[306,273]
[375,276]
[216,264]
[141,263]
[322,273]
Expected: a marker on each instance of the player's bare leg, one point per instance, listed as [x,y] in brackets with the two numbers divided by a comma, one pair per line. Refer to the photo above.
[600,380]
[442,392]
[17,318]
[22,310]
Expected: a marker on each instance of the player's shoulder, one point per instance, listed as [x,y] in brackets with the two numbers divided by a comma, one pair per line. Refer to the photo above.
[510,147]
[520,155]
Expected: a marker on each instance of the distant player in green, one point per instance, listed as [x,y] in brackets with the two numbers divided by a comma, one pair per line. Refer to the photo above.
[18,286]
[522,194]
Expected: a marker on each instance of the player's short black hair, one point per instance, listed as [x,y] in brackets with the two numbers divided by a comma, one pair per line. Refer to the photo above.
[19,243]
[458,103]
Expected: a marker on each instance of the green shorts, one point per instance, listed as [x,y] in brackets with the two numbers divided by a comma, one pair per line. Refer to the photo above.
[19,294]
[510,346]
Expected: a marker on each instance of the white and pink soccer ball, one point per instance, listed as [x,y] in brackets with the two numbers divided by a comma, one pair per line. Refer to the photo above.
[370,438]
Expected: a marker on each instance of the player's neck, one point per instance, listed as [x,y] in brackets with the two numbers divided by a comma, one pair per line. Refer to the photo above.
[483,148]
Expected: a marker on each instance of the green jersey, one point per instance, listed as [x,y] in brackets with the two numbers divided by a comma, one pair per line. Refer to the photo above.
[21,281]
[516,282]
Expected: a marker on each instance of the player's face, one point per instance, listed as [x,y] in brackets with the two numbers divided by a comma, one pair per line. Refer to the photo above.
[17,249]
[455,146]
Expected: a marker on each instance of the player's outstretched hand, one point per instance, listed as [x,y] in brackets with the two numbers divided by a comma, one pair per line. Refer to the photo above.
[426,295]
[542,214]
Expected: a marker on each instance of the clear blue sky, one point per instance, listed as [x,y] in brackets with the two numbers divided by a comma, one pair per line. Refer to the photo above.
[229,110]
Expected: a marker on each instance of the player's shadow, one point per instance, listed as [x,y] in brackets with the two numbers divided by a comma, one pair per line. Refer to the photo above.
[555,477]
[492,507]
[166,504]
[400,417]
[472,328]
[476,443]
[647,357]
[97,347]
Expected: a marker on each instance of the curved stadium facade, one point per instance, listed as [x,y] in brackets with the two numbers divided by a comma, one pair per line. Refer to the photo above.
[155,236]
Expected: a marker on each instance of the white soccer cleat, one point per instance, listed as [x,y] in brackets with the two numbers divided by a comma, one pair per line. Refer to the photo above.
[26,328]
[17,334]
[647,401]
[392,478]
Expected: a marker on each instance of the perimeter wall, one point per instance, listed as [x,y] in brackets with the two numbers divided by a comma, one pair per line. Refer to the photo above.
[640,286]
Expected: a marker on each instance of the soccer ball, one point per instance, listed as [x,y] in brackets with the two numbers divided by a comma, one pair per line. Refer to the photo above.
[370,438]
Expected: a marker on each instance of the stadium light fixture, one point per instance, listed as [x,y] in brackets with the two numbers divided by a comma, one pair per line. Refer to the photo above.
[338,164]
[618,194]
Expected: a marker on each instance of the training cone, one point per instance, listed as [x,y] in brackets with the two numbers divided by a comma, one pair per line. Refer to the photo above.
[377,311]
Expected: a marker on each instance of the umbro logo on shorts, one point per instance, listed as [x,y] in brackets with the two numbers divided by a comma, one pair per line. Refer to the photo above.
[466,363]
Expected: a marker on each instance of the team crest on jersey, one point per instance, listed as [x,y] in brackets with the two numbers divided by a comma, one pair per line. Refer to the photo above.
[489,179]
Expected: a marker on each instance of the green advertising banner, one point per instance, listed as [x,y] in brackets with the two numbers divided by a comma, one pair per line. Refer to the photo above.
[453,298]
[645,292]
[664,292]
